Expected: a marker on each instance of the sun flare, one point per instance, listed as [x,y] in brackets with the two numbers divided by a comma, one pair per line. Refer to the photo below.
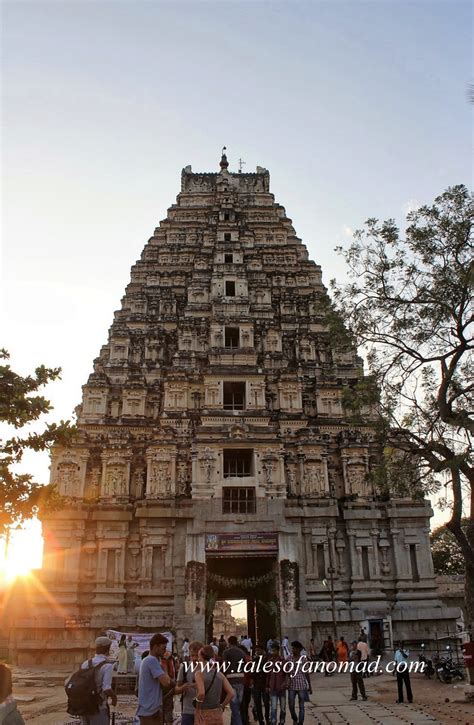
[22,552]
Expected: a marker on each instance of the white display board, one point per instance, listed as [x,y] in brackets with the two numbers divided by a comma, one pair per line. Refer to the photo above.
[141,639]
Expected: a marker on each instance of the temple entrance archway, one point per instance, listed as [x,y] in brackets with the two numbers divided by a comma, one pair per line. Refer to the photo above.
[244,565]
[253,578]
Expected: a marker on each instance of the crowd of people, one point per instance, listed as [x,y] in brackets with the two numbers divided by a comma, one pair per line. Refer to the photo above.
[207,679]
[264,694]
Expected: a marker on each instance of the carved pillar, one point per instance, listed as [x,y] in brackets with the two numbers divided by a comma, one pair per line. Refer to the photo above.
[376,565]
[396,554]
[90,564]
[353,560]
[308,548]
[173,473]
[300,483]
[358,558]
[119,565]
[332,549]
[102,563]
[340,546]
[72,557]
[383,547]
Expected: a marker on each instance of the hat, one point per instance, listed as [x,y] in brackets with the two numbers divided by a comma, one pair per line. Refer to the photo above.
[103,642]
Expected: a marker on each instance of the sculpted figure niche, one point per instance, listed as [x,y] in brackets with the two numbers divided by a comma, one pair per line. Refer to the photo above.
[182,478]
[291,480]
[115,481]
[357,480]
[159,481]
[94,483]
[208,462]
[314,483]
[139,481]
[68,479]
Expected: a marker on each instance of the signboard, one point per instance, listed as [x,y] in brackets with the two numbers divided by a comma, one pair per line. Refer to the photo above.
[77,623]
[141,640]
[254,542]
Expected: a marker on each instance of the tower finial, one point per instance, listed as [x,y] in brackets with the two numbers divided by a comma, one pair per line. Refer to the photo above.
[224,163]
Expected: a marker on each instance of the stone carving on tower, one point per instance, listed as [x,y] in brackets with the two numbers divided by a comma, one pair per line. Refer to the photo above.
[216,406]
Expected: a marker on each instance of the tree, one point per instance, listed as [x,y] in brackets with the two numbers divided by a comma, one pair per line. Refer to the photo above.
[20,496]
[446,552]
[408,305]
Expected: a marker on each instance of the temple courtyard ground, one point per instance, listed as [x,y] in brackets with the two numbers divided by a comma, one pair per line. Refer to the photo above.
[42,701]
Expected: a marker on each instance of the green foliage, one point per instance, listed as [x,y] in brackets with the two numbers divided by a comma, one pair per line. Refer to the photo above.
[409,308]
[211,599]
[20,496]
[361,399]
[446,552]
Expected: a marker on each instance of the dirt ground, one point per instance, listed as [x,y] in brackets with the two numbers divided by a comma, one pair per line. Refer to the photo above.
[41,697]
[446,703]
[42,700]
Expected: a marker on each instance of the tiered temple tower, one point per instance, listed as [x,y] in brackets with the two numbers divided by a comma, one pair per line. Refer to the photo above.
[214,458]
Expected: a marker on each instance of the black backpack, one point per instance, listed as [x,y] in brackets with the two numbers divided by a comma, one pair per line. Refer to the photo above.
[83,695]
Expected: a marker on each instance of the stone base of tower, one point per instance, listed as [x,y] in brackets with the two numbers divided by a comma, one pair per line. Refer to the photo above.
[42,640]
[279,559]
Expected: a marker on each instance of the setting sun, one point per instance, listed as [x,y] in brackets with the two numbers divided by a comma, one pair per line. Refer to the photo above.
[23,552]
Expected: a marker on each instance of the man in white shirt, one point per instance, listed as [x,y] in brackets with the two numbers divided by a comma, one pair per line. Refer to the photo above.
[247,643]
[104,682]
[403,673]
[185,650]
[363,648]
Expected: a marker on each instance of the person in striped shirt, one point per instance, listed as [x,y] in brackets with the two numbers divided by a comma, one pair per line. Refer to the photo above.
[299,685]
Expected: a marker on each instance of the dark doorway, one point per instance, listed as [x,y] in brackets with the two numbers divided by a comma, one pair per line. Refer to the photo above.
[250,578]
[230,288]
[376,636]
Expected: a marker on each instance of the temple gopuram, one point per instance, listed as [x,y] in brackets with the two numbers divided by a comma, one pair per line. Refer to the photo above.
[215,460]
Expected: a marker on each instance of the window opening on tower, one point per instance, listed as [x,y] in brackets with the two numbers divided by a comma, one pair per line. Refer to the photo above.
[238,500]
[232,337]
[238,462]
[234,395]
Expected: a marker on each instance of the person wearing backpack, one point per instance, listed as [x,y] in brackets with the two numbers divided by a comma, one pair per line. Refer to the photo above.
[89,688]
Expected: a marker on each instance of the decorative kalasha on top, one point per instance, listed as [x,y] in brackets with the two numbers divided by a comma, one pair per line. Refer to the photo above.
[224,164]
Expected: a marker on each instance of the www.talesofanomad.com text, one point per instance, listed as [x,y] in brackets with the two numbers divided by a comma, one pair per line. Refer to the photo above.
[305,666]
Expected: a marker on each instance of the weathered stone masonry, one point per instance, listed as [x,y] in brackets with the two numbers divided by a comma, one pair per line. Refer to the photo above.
[219,389]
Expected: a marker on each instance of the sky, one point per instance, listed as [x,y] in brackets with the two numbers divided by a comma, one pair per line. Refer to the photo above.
[358,109]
